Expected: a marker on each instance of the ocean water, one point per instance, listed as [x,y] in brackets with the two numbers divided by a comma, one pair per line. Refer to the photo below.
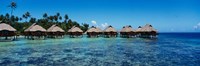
[169,49]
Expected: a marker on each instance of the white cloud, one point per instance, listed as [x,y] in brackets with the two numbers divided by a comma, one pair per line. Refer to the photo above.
[94,22]
[104,25]
[197,27]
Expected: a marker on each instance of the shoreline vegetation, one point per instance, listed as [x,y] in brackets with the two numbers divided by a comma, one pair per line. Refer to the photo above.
[20,23]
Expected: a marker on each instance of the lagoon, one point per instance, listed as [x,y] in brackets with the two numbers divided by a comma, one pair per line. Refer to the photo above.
[169,49]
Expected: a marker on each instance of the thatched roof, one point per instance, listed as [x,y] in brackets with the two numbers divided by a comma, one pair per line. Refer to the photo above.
[30,27]
[70,30]
[55,28]
[75,29]
[94,29]
[146,28]
[35,27]
[4,26]
[139,29]
[110,29]
[127,29]
[99,29]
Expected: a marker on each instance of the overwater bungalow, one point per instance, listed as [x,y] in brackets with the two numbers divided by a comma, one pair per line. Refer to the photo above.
[94,32]
[146,32]
[75,32]
[7,32]
[35,32]
[127,32]
[110,32]
[55,32]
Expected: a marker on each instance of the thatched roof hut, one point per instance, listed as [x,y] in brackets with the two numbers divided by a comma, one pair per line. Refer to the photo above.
[35,30]
[4,26]
[7,30]
[94,32]
[55,31]
[127,31]
[146,31]
[94,29]
[75,29]
[75,32]
[146,28]
[110,29]
[55,28]
[110,32]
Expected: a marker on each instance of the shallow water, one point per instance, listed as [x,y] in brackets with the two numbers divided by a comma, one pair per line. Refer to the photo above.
[170,49]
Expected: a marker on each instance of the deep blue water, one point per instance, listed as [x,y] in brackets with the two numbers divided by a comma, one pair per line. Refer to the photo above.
[169,49]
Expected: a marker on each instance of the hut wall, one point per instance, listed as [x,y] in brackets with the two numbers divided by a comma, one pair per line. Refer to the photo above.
[7,33]
[110,34]
[76,34]
[92,34]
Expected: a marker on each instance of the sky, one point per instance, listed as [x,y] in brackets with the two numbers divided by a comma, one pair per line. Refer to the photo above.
[163,15]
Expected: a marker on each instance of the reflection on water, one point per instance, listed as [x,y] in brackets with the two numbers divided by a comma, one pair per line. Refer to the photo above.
[101,52]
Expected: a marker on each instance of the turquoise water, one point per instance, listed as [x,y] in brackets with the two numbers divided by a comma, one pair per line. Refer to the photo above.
[170,49]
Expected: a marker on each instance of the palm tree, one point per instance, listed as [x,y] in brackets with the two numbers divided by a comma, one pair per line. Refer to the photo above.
[58,14]
[60,18]
[12,5]
[32,20]
[20,19]
[56,18]
[26,15]
[69,23]
[66,17]
[17,19]
[51,18]
[7,17]
[16,24]
[12,18]
[84,27]
[45,15]
[1,18]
